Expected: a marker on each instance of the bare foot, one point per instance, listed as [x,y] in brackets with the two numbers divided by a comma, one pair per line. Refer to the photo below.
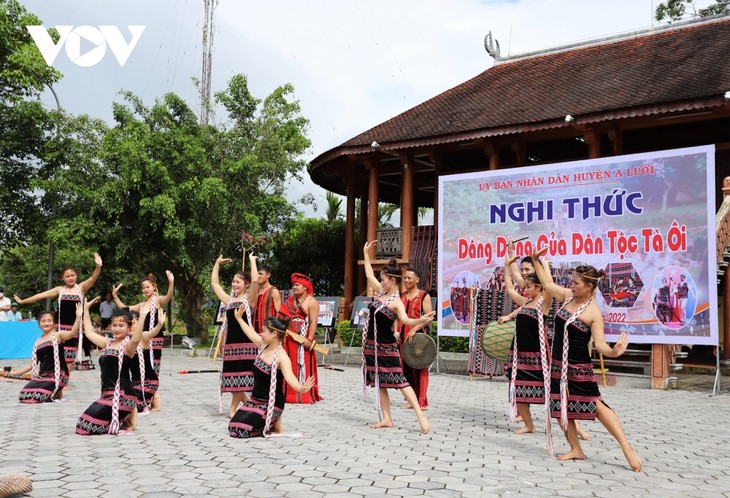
[525,430]
[156,402]
[572,455]
[519,419]
[633,458]
[407,406]
[423,422]
[584,435]
[382,425]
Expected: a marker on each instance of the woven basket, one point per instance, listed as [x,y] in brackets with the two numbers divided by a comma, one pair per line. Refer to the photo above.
[15,485]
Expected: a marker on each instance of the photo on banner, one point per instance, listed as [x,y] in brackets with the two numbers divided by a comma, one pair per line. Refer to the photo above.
[646,220]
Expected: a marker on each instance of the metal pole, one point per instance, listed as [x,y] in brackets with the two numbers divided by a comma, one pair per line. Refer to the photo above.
[52,248]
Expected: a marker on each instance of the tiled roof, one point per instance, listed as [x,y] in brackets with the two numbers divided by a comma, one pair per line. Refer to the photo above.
[657,71]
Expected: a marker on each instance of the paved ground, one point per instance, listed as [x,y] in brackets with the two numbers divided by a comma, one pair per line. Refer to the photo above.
[683,437]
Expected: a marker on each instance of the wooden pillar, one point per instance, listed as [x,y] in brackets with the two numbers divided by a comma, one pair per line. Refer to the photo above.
[406,205]
[617,141]
[491,150]
[350,259]
[437,168]
[372,167]
[660,359]
[363,233]
[593,140]
[520,150]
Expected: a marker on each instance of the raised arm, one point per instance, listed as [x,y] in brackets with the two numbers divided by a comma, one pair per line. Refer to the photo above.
[371,278]
[509,286]
[290,378]
[215,281]
[247,329]
[99,340]
[513,268]
[118,302]
[561,293]
[50,293]
[163,300]
[547,301]
[89,282]
[253,289]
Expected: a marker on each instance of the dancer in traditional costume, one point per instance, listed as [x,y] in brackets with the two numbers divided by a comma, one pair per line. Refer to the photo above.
[48,369]
[417,302]
[237,350]
[145,380]
[268,301]
[302,309]
[529,363]
[381,363]
[116,410]
[574,390]
[151,307]
[261,414]
[69,295]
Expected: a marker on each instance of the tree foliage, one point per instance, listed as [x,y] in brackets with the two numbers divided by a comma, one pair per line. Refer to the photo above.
[675,10]
[24,122]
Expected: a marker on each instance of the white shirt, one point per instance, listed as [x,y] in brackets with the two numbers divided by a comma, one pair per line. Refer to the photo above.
[4,301]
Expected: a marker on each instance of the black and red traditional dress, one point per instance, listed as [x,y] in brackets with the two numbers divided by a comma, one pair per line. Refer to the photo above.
[250,419]
[239,354]
[529,384]
[416,377]
[144,378]
[49,373]
[66,318]
[117,395]
[383,367]
[303,361]
[158,341]
[582,388]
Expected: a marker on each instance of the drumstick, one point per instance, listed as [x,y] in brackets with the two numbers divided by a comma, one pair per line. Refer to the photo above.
[198,371]
[520,239]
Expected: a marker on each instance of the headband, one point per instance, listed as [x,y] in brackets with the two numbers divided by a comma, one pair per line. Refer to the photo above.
[393,275]
[583,275]
[302,279]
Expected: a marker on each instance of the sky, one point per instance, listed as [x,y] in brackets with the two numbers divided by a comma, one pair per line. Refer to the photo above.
[353,63]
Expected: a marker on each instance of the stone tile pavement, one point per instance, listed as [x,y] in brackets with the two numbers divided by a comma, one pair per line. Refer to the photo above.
[682,436]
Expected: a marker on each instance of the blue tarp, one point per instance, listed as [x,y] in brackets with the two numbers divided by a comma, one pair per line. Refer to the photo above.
[17,338]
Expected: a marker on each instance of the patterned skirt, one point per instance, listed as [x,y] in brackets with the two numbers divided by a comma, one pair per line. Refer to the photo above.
[529,383]
[97,417]
[583,393]
[390,371]
[39,390]
[237,374]
[144,399]
[250,419]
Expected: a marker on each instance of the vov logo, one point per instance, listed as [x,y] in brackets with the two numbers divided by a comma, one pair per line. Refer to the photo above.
[100,37]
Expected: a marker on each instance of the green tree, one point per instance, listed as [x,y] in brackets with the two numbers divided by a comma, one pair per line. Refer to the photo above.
[25,123]
[314,247]
[184,192]
[334,204]
[675,10]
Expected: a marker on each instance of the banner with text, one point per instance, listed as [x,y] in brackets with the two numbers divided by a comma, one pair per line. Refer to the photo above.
[646,220]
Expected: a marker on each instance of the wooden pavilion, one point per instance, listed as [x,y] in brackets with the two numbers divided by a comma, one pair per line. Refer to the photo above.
[662,88]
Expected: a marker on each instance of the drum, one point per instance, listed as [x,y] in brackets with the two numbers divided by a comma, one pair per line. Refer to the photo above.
[497,340]
[420,352]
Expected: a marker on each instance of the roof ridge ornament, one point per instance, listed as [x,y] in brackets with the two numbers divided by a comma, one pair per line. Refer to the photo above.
[491,45]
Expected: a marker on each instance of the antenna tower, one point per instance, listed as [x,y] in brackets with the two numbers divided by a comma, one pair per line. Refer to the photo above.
[205,86]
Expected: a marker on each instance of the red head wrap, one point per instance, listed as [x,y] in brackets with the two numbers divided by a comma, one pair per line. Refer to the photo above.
[302,279]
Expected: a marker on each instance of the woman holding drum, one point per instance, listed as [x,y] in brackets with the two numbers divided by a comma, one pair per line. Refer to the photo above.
[528,367]
[574,390]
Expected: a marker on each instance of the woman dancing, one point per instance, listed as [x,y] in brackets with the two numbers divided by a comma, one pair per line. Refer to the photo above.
[48,369]
[381,356]
[417,302]
[574,390]
[115,411]
[145,380]
[238,351]
[529,363]
[69,295]
[261,414]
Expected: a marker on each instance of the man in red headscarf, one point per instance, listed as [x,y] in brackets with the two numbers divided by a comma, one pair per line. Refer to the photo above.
[302,309]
